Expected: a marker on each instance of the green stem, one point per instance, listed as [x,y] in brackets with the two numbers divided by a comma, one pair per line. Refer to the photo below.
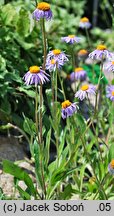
[40,114]
[56,132]
[56,88]
[61,85]
[73,57]
[52,87]
[41,106]
[88,39]
[36,114]
[44,43]
[98,86]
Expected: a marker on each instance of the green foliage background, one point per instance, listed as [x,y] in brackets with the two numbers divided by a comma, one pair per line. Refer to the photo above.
[21,47]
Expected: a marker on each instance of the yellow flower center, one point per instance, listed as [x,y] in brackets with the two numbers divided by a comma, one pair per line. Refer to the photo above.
[71,36]
[92,180]
[84,19]
[78,69]
[101,47]
[113,62]
[82,52]
[112,93]
[53,61]
[34,69]
[44,6]
[112,164]
[84,87]
[56,52]
[66,104]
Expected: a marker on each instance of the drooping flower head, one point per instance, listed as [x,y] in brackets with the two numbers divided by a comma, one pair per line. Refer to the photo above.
[85,91]
[36,76]
[100,53]
[92,180]
[57,54]
[110,66]
[53,64]
[82,53]
[68,109]
[110,92]
[42,11]
[111,167]
[71,39]
[78,74]
[84,23]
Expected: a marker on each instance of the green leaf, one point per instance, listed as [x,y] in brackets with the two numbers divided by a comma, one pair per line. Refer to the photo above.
[28,92]
[2,64]
[62,142]
[60,175]
[37,163]
[111,153]
[6,106]
[11,168]
[93,73]
[82,172]
[23,23]
[112,82]
[29,126]
[8,14]
[23,193]
[22,43]
[47,148]
[67,194]
[80,123]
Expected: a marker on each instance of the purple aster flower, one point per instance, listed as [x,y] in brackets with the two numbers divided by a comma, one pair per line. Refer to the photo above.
[52,64]
[110,92]
[100,53]
[84,23]
[35,76]
[111,167]
[82,53]
[85,91]
[78,74]
[110,66]
[57,55]
[71,39]
[42,11]
[68,109]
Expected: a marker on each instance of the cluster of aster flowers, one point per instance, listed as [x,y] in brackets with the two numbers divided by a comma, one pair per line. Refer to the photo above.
[102,53]
[57,58]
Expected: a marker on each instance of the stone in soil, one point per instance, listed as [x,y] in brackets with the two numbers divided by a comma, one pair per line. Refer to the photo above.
[10,149]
